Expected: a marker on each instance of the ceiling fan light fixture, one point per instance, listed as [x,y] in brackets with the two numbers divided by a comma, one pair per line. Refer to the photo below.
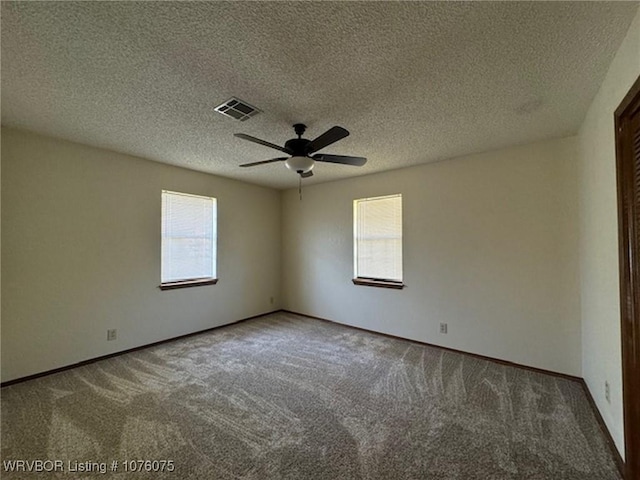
[300,164]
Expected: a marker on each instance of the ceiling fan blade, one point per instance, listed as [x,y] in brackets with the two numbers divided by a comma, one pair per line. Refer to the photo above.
[307,174]
[327,138]
[260,142]
[253,164]
[343,159]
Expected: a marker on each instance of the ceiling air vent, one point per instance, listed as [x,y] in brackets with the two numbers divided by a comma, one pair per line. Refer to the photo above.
[238,109]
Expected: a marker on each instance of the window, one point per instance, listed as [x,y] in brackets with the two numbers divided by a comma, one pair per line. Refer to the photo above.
[378,241]
[189,237]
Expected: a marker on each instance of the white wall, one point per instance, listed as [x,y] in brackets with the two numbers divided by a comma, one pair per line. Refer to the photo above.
[601,355]
[490,247]
[81,253]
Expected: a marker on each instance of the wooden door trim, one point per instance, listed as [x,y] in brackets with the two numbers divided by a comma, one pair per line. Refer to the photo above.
[629,303]
[628,99]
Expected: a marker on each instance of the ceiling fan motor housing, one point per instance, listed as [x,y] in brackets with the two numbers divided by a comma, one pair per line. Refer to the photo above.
[297,146]
[299,162]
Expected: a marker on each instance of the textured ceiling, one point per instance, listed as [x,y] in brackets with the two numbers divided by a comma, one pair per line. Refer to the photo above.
[413,82]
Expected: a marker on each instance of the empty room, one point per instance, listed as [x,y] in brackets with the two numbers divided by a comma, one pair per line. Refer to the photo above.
[320,240]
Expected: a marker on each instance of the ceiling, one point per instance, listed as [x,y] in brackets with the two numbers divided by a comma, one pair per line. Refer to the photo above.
[413,82]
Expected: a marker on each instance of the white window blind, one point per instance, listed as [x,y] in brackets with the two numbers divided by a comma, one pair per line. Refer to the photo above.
[378,238]
[189,237]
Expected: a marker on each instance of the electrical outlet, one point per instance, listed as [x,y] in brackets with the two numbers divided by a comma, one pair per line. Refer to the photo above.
[607,392]
[443,328]
[112,334]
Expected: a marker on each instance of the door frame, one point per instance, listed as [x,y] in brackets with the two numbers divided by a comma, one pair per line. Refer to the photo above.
[629,263]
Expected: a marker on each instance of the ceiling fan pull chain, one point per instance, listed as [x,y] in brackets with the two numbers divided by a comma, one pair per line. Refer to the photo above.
[300,187]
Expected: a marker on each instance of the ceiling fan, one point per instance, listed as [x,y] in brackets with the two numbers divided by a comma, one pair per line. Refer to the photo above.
[300,150]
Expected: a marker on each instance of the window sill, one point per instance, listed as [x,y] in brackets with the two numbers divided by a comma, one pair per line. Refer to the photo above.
[198,282]
[370,282]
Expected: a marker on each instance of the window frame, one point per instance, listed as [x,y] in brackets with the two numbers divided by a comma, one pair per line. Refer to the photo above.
[371,281]
[198,281]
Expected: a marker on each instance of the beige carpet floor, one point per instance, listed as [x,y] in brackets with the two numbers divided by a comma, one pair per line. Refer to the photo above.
[288,397]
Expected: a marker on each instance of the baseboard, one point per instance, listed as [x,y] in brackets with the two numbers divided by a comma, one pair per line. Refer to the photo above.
[476,355]
[122,352]
[603,426]
[599,419]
